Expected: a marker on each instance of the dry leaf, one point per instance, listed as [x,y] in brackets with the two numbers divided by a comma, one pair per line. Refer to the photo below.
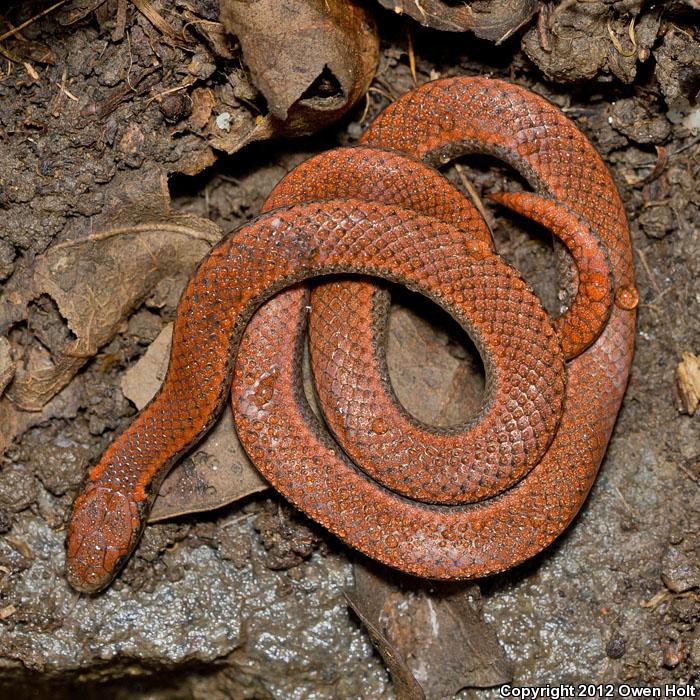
[434,380]
[172,35]
[77,10]
[98,280]
[219,472]
[435,14]
[435,630]
[688,382]
[203,103]
[311,60]
[216,472]
[14,422]
[488,19]
[217,38]
[35,51]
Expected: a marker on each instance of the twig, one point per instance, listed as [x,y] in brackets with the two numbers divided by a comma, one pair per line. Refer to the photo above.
[685,147]
[616,41]
[476,199]
[131,63]
[381,92]
[163,227]
[102,109]
[659,167]
[152,15]
[542,19]
[365,111]
[169,91]
[647,269]
[411,56]
[62,87]
[57,99]
[14,31]
[119,22]
[693,477]
[31,70]
[385,87]
[663,596]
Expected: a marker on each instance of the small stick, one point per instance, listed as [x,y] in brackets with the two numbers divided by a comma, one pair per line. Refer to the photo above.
[411,56]
[647,269]
[475,198]
[618,45]
[14,31]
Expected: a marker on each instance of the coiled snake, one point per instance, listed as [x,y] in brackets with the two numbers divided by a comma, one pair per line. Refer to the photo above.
[463,502]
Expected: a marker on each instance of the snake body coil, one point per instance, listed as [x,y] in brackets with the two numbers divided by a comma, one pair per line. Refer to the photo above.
[457,503]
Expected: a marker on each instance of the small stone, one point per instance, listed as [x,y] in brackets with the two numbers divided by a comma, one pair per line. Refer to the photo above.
[175,107]
[680,571]
[615,648]
[674,653]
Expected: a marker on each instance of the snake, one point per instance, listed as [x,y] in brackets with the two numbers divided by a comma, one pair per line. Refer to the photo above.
[460,502]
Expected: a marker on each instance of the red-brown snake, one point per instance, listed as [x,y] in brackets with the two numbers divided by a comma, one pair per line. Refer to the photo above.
[457,503]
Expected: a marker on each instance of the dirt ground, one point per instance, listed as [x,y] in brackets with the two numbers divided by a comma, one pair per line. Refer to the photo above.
[247,601]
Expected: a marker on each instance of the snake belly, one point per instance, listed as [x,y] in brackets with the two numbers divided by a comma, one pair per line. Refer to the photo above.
[494,526]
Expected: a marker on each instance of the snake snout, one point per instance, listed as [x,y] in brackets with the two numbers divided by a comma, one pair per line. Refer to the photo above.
[102,531]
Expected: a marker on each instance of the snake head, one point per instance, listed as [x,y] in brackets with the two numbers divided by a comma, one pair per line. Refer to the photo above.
[104,528]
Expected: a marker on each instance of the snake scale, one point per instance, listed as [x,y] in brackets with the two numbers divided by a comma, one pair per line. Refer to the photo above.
[453,503]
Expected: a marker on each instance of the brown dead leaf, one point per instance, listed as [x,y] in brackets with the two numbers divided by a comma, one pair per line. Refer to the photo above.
[488,19]
[433,383]
[78,10]
[430,378]
[98,280]
[688,382]
[496,21]
[196,160]
[435,14]
[264,128]
[311,60]
[35,51]
[15,422]
[216,36]
[171,35]
[203,102]
[435,630]
[216,472]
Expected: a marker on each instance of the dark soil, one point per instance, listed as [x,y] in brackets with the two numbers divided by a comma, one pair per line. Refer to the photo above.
[247,602]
